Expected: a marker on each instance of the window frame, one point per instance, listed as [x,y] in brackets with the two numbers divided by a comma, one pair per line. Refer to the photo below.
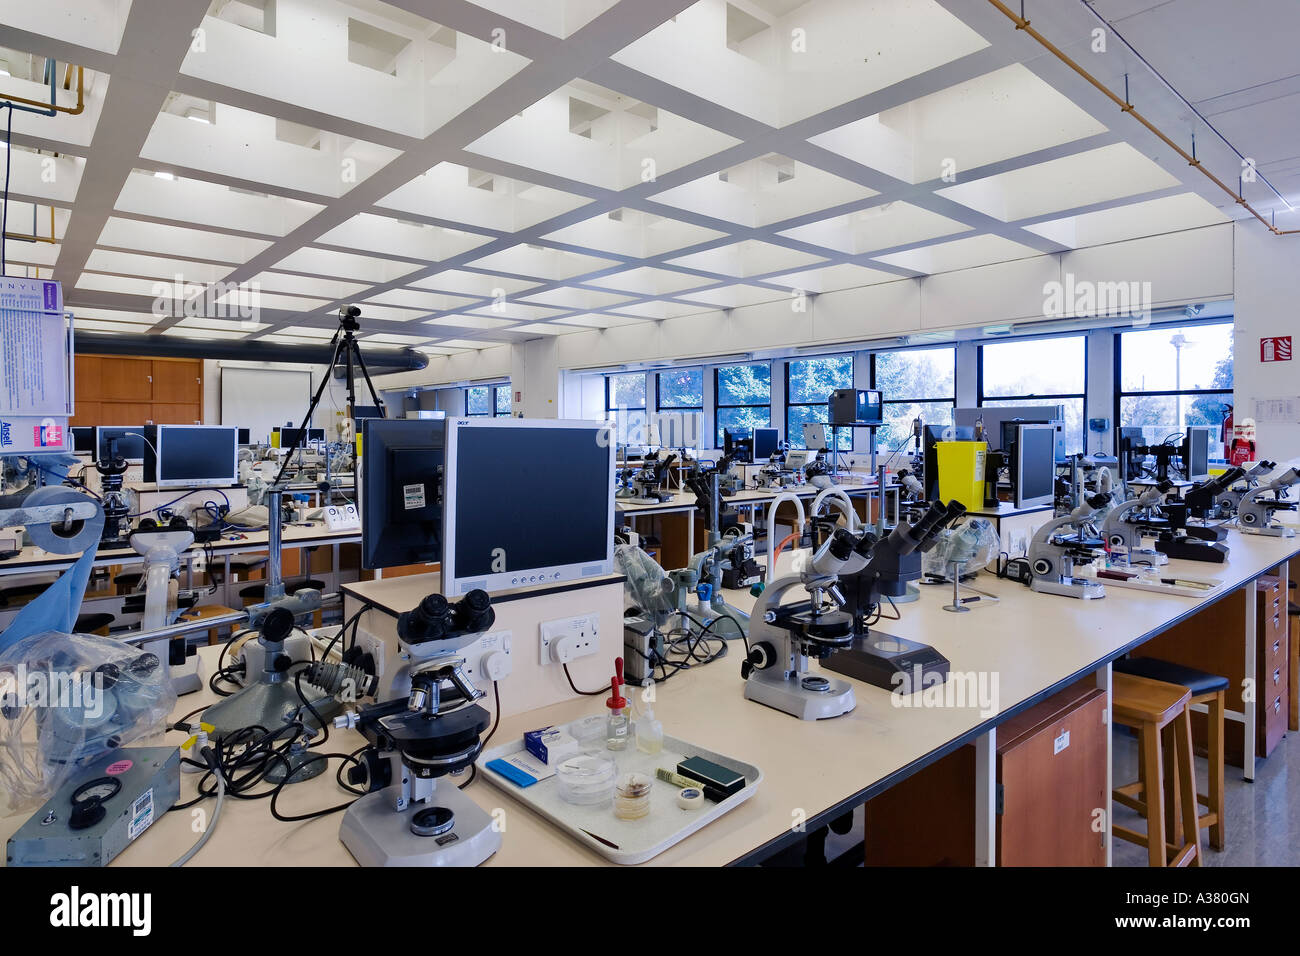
[785,418]
[719,406]
[659,399]
[886,402]
[492,401]
[981,397]
[1192,393]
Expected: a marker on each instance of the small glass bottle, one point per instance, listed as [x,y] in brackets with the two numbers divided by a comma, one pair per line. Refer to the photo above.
[616,722]
[649,732]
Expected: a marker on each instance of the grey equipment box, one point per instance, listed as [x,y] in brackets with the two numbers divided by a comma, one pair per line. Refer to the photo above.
[99,812]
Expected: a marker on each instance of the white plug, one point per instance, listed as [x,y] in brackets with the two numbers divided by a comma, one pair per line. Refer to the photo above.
[495,665]
[563,649]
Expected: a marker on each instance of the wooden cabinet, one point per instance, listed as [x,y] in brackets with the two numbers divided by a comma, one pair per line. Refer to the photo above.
[117,390]
[1211,641]
[1051,767]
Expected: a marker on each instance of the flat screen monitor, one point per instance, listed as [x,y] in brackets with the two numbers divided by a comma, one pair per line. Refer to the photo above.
[293,437]
[130,442]
[766,442]
[856,406]
[201,456]
[83,440]
[1033,472]
[244,437]
[738,444]
[501,534]
[401,491]
[932,435]
[994,416]
[1196,452]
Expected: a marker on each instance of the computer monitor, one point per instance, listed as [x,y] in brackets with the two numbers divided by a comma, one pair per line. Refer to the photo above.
[799,458]
[497,537]
[191,456]
[244,437]
[856,406]
[932,435]
[83,440]
[1196,452]
[817,435]
[738,444]
[401,491]
[766,442]
[130,442]
[994,416]
[1033,468]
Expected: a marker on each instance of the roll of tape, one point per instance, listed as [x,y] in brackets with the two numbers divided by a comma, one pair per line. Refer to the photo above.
[690,798]
[75,538]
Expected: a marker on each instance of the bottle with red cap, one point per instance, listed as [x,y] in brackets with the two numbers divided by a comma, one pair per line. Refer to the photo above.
[616,723]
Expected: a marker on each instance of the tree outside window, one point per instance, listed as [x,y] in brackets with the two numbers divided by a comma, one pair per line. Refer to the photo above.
[808,387]
[742,397]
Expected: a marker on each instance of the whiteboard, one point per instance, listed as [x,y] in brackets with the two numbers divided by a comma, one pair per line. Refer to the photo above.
[260,399]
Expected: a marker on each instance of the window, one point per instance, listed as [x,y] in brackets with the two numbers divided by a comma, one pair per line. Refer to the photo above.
[682,389]
[742,396]
[625,406]
[914,383]
[1173,376]
[808,387]
[483,401]
[1038,372]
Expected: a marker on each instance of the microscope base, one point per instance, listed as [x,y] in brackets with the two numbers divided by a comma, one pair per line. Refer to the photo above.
[787,696]
[1214,552]
[891,663]
[377,835]
[1069,587]
[267,705]
[1147,556]
[186,678]
[1273,531]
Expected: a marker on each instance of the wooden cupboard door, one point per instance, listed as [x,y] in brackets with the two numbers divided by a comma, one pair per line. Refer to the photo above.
[87,376]
[178,382]
[126,379]
[1053,785]
[88,413]
[176,414]
[125,413]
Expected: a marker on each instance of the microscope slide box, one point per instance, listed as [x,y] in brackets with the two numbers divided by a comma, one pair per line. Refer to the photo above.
[635,841]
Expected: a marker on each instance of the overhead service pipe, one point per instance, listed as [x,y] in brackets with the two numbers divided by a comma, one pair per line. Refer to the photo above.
[52,107]
[384,361]
[1126,107]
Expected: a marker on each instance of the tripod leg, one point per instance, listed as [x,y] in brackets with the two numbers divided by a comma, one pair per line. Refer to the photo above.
[379,403]
[311,410]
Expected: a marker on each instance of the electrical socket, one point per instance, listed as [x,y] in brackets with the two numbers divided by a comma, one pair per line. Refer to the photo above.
[570,638]
[488,659]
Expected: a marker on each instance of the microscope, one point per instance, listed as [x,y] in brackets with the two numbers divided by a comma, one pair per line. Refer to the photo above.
[883,660]
[117,512]
[1225,505]
[783,637]
[1063,543]
[648,480]
[432,728]
[1177,539]
[1122,532]
[1256,509]
[162,548]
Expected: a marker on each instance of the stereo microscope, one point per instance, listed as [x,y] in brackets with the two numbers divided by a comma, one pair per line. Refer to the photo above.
[411,816]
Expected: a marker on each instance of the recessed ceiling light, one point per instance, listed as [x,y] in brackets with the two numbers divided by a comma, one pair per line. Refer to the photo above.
[198,118]
[162,175]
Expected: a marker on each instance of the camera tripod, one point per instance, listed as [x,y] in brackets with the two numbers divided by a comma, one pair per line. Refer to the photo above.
[345,342]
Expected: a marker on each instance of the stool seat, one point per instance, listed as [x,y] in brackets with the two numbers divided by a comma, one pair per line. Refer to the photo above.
[1198,682]
[1143,700]
[256,592]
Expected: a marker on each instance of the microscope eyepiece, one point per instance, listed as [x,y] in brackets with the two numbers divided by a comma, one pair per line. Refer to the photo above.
[841,544]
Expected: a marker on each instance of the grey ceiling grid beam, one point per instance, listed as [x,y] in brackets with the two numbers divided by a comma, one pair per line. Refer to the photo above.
[155,41]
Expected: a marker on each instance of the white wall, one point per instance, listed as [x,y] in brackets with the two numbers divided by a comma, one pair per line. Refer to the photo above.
[331,403]
[1267,292]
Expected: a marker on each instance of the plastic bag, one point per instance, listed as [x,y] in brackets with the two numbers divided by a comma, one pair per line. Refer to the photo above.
[971,545]
[65,699]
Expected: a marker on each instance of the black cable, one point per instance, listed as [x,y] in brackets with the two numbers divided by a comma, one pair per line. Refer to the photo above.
[324,725]
[584,693]
[295,818]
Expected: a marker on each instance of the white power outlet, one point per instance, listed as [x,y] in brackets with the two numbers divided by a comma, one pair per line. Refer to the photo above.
[570,638]
[488,659]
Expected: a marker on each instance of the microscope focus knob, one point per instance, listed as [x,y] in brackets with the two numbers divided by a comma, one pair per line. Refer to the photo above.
[760,657]
[281,663]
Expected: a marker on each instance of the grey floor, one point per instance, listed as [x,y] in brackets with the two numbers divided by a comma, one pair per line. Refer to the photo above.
[1262,818]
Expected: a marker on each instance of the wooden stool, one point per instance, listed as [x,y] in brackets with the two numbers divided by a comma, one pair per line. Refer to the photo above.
[204,611]
[1207,689]
[1158,712]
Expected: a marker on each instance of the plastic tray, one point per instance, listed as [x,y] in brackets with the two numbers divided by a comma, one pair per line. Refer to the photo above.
[635,840]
